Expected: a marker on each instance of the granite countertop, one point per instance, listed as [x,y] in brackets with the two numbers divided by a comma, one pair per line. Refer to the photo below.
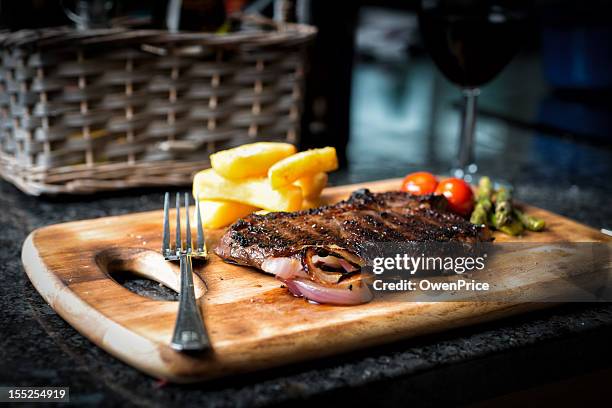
[38,348]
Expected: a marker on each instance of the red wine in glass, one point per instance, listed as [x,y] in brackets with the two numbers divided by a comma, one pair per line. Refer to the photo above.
[471,42]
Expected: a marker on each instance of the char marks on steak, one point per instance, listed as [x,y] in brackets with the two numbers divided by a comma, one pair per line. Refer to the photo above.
[324,246]
[350,224]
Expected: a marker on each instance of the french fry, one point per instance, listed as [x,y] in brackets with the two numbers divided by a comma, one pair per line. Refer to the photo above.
[312,185]
[218,214]
[257,192]
[292,168]
[250,160]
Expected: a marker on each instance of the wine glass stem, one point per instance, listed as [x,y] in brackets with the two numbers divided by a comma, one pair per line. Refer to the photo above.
[465,160]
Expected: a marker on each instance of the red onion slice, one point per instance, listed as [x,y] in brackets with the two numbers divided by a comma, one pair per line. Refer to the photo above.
[347,266]
[358,294]
[284,268]
[328,260]
[292,287]
[290,271]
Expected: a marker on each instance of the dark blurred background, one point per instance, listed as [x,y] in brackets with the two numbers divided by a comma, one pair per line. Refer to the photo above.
[549,109]
[373,91]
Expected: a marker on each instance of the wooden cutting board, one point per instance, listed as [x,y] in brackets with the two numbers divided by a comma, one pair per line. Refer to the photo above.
[253,323]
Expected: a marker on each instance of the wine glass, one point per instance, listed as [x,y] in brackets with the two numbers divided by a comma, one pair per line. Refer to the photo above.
[471,41]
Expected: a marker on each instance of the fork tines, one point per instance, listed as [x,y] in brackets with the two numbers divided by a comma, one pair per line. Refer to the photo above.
[172,253]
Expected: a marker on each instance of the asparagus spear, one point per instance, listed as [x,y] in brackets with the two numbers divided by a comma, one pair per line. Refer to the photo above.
[479,215]
[512,227]
[483,202]
[503,208]
[530,222]
[485,189]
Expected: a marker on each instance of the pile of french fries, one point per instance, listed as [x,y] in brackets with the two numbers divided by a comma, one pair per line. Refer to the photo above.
[261,176]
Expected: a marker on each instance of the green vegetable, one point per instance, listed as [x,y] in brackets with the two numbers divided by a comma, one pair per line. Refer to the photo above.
[483,202]
[530,222]
[485,189]
[501,215]
[512,227]
[503,208]
[479,215]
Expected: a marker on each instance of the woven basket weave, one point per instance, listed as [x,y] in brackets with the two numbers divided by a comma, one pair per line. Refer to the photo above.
[109,109]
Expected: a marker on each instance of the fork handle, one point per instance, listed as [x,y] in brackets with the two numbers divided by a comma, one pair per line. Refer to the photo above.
[189,332]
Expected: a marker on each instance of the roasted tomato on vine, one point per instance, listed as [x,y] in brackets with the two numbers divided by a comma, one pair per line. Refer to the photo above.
[458,193]
[419,183]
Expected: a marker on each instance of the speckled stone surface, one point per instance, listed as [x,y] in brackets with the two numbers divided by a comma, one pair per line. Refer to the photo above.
[39,348]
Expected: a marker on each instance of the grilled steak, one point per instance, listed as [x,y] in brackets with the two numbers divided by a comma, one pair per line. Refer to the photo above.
[323,247]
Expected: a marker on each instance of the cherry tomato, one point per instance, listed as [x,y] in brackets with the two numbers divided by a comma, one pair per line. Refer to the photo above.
[419,183]
[458,193]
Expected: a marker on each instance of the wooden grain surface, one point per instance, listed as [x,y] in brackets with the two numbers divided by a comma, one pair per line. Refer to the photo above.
[253,323]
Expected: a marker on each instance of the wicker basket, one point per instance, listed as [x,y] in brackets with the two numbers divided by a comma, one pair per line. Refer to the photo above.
[116,108]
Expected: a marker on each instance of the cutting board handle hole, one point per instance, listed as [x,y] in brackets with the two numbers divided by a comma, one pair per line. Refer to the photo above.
[143,286]
[145,272]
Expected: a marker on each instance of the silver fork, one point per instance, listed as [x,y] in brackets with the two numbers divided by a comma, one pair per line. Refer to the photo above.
[189,332]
